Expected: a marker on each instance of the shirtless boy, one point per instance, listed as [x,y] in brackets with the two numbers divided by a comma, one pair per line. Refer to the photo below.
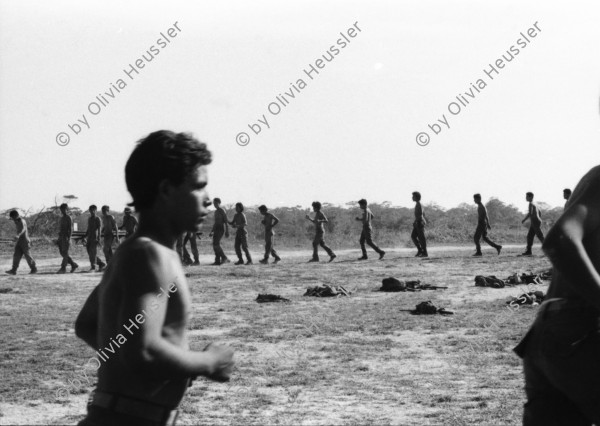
[270,221]
[142,304]
[560,351]
[241,234]
[366,236]
[535,224]
[319,220]
[483,225]
[418,232]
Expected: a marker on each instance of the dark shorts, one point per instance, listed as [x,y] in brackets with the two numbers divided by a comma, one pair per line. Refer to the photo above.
[98,416]
[561,357]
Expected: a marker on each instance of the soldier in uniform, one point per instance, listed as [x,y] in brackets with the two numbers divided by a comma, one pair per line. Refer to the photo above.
[418,232]
[22,245]
[483,224]
[219,229]
[109,232]
[179,249]
[270,220]
[130,223]
[367,231]
[535,224]
[192,238]
[241,235]
[92,239]
[64,240]
[319,220]
[560,351]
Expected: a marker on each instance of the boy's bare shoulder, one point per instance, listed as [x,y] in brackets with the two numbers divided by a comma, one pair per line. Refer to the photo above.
[143,265]
[145,249]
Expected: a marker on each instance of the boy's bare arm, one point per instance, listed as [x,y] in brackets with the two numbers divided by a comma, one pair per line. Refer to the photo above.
[86,325]
[148,349]
[565,248]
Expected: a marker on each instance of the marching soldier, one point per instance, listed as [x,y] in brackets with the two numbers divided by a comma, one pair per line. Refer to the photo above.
[418,232]
[22,245]
[64,240]
[92,239]
[192,238]
[269,221]
[219,229]
[483,225]
[241,235]
[367,231]
[130,223]
[319,220]
[109,231]
[535,224]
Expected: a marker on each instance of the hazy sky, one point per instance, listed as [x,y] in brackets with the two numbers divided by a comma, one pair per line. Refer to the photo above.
[349,133]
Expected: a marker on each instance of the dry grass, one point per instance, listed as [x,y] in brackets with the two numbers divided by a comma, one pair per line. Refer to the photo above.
[356,360]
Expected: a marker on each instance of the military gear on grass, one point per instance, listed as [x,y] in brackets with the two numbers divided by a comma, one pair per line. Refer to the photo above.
[428,308]
[489,281]
[265,298]
[327,291]
[391,284]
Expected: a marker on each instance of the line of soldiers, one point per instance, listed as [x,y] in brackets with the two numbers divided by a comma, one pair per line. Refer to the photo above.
[106,230]
[99,229]
[221,228]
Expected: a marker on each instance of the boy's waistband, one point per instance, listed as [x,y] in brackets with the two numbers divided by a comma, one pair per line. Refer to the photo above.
[135,407]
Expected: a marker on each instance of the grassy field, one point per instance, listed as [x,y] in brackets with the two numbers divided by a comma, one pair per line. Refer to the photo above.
[351,360]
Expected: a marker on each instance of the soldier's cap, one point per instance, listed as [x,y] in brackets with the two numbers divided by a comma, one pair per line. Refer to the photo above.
[127,210]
